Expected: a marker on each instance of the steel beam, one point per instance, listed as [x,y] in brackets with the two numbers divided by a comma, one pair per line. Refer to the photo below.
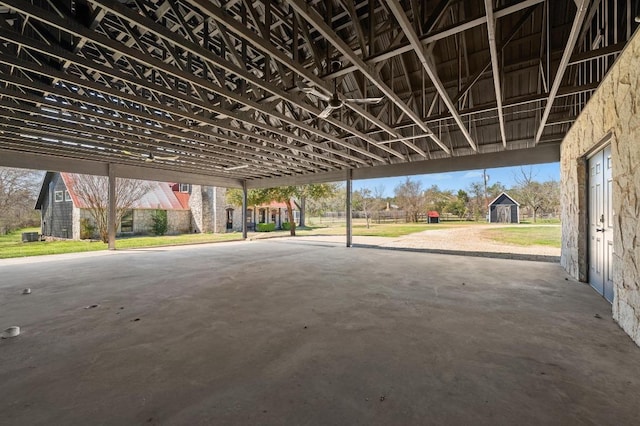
[348,207]
[548,152]
[406,26]
[244,209]
[564,62]
[437,35]
[166,34]
[24,159]
[491,33]
[311,16]
[162,32]
[111,216]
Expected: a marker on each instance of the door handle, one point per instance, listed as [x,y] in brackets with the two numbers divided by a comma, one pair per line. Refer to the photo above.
[599,229]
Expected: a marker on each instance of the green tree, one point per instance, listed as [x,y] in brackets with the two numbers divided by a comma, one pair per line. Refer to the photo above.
[312,192]
[282,194]
[334,202]
[159,222]
[410,197]
[438,199]
[494,190]
[458,206]
[476,203]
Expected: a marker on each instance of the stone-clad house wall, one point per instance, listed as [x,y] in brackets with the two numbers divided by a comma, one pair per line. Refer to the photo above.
[178,221]
[207,208]
[613,113]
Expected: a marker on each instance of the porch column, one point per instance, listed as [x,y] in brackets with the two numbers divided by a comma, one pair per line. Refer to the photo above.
[244,209]
[111,218]
[349,176]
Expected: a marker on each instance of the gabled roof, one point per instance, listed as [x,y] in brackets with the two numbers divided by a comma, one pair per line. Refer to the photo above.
[160,195]
[46,179]
[506,195]
[433,213]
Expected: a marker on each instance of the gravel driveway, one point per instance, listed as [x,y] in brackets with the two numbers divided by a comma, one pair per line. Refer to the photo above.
[468,238]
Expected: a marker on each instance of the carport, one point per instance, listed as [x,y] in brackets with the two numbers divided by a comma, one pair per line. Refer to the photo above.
[191,335]
[250,94]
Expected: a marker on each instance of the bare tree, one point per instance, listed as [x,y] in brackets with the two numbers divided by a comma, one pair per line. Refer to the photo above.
[18,189]
[476,204]
[94,193]
[530,192]
[378,201]
[410,197]
[363,200]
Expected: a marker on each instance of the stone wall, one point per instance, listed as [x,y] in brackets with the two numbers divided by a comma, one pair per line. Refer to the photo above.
[178,222]
[219,212]
[613,110]
[76,222]
[142,221]
[207,205]
[195,204]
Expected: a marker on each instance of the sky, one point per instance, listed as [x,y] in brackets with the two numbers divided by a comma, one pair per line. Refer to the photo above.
[462,180]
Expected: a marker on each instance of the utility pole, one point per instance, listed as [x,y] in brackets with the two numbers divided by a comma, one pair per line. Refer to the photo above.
[486,200]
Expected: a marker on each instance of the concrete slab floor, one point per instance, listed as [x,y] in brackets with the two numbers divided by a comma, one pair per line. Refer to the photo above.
[304,333]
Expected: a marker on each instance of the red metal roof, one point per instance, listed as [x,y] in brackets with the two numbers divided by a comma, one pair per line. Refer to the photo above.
[160,196]
[433,213]
[183,199]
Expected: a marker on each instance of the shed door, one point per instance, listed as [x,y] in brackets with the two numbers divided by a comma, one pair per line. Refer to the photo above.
[503,213]
[601,223]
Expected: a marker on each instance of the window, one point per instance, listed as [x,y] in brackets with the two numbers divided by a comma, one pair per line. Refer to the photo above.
[67,196]
[59,197]
[184,187]
[126,223]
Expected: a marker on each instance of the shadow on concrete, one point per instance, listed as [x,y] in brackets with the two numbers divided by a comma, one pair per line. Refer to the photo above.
[495,255]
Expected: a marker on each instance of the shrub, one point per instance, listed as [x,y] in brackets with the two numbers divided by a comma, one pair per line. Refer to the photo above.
[286,226]
[265,227]
[160,223]
[87,229]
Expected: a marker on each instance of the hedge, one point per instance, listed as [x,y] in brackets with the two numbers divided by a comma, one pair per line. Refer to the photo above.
[265,227]
[286,226]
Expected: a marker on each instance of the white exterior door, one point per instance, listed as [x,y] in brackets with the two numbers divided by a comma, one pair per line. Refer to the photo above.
[601,223]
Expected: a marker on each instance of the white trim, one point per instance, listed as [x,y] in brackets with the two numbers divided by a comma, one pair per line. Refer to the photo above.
[55,196]
[507,195]
[599,146]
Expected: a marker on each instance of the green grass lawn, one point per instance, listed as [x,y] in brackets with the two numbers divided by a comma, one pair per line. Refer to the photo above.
[12,246]
[526,235]
[379,229]
[374,230]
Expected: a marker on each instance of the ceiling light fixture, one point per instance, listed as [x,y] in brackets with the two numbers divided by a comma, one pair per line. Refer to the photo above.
[228,169]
